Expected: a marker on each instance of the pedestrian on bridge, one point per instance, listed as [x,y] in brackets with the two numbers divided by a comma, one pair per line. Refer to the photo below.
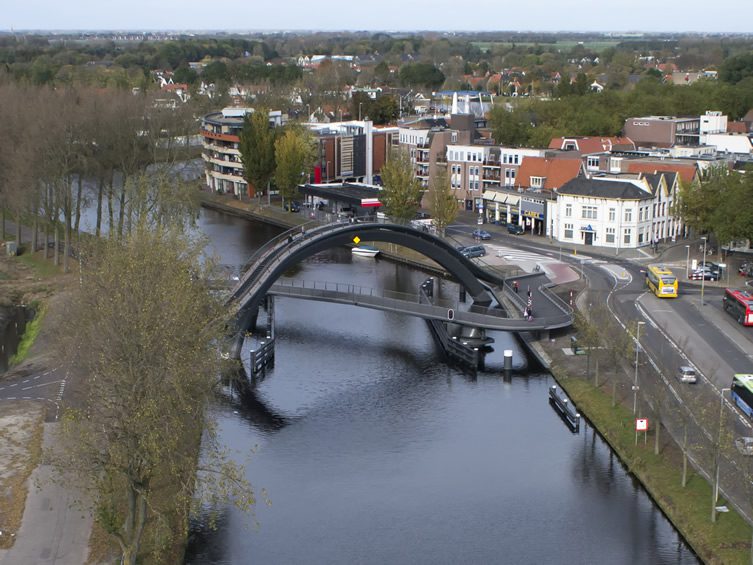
[515,286]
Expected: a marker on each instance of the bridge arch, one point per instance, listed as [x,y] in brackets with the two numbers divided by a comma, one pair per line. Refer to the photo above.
[292,247]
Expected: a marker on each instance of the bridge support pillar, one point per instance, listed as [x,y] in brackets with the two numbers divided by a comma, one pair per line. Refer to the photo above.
[508,363]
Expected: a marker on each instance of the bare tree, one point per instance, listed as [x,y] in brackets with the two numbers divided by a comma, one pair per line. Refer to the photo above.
[143,328]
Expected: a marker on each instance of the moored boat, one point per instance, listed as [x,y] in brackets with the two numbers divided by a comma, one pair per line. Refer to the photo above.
[365,251]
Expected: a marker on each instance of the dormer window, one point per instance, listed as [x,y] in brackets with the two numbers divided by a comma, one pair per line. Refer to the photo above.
[537,182]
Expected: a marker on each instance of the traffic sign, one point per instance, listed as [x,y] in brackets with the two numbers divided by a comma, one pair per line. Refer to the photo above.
[641,424]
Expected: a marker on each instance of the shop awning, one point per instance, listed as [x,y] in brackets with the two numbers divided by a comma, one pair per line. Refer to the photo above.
[501,197]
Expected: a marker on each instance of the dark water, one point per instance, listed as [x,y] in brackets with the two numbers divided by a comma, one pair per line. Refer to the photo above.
[372,450]
[13,321]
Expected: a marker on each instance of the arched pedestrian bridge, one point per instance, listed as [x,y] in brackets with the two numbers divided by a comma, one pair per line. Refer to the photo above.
[278,255]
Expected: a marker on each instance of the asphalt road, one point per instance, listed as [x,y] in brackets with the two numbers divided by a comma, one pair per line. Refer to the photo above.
[47,386]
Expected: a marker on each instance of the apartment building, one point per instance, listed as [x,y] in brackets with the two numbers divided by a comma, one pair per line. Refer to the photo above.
[220,132]
[663,131]
[351,151]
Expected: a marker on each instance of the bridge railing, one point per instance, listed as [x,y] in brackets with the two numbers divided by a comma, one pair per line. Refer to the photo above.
[320,288]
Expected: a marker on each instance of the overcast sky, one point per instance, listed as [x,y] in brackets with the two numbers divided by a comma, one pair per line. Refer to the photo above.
[733,16]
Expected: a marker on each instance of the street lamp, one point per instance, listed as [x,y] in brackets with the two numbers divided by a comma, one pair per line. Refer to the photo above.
[716,462]
[635,380]
[687,262]
[703,270]
[359,110]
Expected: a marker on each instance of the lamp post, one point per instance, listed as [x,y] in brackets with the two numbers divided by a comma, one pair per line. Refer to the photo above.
[716,459]
[703,270]
[308,112]
[687,262]
[635,380]
[359,110]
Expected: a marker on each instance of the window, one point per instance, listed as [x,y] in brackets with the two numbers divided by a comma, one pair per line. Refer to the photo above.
[612,214]
[516,159]
[568,231]
[629,215]
[592,163]
[537,182]
[588,212]
[610,235]
[626,238]
[568,210]
[454,137]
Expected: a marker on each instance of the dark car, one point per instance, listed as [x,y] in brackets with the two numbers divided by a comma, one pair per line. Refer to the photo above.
[293,206]
[746,270]
[515,229]
[481,234]
[706,274]
[472,251]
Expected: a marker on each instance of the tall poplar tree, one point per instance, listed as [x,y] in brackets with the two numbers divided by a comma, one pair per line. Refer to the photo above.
[257,147]
[443,205]
[295,155]
[402,191]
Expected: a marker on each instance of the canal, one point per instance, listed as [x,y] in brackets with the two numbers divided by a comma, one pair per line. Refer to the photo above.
[372,450]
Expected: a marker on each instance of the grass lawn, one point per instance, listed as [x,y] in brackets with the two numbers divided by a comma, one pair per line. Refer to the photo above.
[43,268]
[689,508]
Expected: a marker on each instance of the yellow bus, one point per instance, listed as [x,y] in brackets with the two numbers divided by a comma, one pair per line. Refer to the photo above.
[661,281]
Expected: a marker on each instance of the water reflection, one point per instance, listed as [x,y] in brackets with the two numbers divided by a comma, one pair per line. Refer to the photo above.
[375,451]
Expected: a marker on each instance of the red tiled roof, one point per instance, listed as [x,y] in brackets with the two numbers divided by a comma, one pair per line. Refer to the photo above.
[175,86]
[556,172]
[687,172]
[737,127]
[586,145]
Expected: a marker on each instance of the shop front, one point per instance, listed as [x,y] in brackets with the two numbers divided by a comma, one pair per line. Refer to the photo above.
[501,207]
[532,210]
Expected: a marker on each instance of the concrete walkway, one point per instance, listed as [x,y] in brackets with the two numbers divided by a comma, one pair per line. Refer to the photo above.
[54,531]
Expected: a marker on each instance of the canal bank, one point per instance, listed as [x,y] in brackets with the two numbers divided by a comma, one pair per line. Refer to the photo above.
[688,507]
[566,368]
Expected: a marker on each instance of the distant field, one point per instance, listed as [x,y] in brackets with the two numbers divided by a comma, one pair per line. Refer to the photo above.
[592,45]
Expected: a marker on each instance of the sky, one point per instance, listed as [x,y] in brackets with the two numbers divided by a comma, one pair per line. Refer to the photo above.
[721,16]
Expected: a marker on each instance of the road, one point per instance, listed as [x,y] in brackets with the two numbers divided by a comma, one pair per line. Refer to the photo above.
[677,332]
[47,386]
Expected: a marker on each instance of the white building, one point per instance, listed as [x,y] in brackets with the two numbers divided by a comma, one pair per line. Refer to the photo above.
[615,212]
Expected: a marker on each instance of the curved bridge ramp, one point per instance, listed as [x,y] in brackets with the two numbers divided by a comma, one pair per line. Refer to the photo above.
[269,263]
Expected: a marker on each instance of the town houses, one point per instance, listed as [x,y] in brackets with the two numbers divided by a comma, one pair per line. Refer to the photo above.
[615,192]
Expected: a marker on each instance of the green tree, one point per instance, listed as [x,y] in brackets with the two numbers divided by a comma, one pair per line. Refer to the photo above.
[257,149]
[295,155]
[402,190]
[143,327]
[443,205]
[421,74]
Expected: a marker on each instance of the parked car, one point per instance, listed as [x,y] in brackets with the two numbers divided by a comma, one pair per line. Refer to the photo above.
[481,234]
[687,375]
[744,445]
[705,273]
[293,206]
[515,229]
[472,251]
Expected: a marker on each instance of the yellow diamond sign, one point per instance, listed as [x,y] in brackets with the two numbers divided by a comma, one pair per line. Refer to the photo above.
[356,240]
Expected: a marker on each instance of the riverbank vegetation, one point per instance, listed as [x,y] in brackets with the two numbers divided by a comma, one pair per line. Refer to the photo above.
[31,332]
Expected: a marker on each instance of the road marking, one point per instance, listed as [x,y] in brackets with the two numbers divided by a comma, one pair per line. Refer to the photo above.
[43,384]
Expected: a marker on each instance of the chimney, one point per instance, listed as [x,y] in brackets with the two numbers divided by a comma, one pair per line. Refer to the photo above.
[369,152]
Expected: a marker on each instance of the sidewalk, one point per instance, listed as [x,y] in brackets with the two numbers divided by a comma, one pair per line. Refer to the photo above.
[53,531]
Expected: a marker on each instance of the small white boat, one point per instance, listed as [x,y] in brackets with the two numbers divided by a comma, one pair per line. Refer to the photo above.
[365,251]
